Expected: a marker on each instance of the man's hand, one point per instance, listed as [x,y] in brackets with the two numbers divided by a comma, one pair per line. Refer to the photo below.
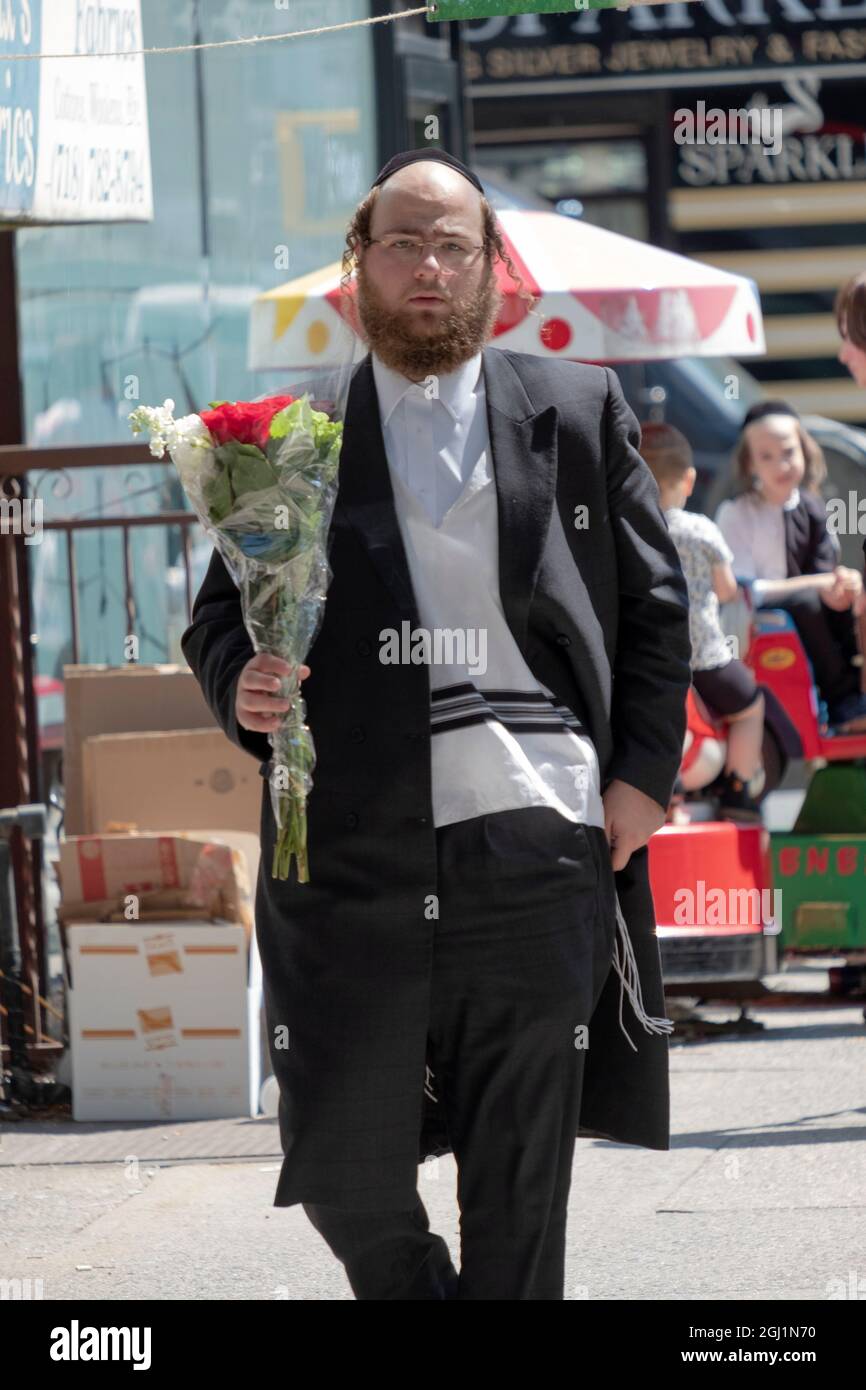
[630,818]
[257,707]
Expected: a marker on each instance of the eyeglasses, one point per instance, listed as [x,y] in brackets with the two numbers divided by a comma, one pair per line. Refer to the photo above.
[453,253]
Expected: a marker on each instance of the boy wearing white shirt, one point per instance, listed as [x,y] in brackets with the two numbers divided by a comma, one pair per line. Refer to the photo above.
[724,683]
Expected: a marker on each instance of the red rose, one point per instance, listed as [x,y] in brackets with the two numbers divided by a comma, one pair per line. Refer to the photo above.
[244,422]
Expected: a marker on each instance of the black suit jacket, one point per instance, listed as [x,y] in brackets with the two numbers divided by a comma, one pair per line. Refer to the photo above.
[600,611]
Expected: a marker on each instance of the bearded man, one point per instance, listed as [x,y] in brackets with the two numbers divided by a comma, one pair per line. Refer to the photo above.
[496,695]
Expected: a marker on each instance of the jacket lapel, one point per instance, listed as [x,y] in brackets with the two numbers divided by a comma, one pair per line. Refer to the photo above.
[523,445]
[523,449]
[365,493]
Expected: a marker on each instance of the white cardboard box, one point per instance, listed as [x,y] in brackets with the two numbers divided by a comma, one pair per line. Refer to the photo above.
[163,1021]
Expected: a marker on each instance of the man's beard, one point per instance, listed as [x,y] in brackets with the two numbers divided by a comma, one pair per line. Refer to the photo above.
[458,335]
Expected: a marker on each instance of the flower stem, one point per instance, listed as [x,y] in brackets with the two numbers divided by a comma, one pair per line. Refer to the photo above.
[291,839]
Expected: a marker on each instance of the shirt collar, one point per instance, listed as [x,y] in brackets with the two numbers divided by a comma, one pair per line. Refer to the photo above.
[792,502]
[455,388]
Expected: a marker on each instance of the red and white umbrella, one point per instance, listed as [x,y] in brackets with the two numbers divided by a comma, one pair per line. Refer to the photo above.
[600,297]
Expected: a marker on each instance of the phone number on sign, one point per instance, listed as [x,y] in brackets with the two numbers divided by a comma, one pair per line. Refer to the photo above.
[98,175]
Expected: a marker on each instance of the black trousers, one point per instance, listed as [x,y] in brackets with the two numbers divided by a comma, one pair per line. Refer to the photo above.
[523,945]
[830,641]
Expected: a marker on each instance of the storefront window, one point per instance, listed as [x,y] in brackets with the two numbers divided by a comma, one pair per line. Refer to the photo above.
[602,181]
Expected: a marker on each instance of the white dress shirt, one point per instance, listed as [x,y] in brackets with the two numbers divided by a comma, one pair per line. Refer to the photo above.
[500,739]
[433,444]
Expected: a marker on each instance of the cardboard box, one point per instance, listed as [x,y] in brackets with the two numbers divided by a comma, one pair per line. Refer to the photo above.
[178,779]
[200,876]
[124,699]
[245,842]
[163,1021]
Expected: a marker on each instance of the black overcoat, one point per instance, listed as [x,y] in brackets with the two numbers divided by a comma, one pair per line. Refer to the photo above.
[597,601]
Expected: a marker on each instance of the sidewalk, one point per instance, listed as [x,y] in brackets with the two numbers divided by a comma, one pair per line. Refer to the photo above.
[762,1195]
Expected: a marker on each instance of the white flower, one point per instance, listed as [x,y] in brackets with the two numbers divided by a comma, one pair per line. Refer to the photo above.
[185,438]
[189,437]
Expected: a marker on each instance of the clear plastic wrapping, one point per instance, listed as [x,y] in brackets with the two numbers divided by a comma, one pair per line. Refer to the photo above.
[262,477]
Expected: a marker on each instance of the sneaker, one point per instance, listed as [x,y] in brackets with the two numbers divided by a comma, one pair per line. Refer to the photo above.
[848,715]
[735,803]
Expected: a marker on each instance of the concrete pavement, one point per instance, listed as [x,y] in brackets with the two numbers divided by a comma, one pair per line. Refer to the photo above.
[761,1197]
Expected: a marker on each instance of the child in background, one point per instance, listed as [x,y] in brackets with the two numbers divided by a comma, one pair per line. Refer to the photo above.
[725,684]
[777,530]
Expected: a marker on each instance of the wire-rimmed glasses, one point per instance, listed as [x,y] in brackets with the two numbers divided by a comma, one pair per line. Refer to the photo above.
[453,253]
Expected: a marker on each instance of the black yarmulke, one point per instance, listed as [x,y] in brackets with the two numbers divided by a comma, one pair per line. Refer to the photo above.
[761,409]
[410,156]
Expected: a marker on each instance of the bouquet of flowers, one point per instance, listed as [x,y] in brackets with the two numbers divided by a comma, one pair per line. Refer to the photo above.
[262,478]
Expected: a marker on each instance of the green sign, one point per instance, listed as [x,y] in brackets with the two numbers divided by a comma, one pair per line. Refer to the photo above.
[441,10]
[822,887]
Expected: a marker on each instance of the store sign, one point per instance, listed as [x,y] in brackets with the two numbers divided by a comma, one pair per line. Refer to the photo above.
[74,143]
[703,40]
[821,136]
[479,9]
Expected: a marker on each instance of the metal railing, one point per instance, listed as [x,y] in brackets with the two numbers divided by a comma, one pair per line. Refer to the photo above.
[23,968]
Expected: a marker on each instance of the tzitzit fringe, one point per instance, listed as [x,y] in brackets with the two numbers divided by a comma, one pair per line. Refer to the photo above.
[270,38]
[627,970]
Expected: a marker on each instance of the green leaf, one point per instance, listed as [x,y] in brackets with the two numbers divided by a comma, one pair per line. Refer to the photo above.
[291,417]
[218,496]
[251,473]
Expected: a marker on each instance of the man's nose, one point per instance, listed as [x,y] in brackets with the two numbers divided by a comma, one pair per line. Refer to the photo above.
[428,260]
[429,277]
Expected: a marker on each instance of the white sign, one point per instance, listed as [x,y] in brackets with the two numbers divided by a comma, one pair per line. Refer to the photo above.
[74,143]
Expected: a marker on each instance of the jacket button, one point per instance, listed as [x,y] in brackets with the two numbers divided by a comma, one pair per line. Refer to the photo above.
[364,647]
[356,733]
[416,736]
[563,639]
[423,820]
[351,820]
